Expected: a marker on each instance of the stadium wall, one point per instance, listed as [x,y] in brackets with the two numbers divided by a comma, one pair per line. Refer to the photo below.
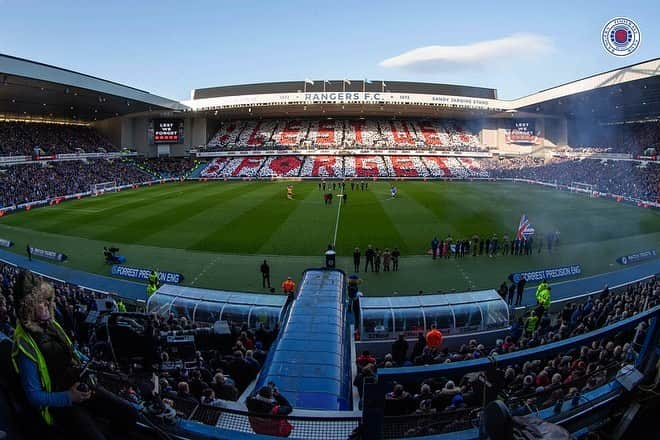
[489,133]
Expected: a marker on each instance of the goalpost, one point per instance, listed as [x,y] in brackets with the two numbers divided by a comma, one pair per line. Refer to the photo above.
[103,187]
[583,188]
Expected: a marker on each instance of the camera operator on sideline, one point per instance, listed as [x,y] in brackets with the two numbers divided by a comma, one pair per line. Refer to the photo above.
[268,401]
[49,368]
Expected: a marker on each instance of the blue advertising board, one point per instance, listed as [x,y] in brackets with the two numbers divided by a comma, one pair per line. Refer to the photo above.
[143,274]
[45,253]
[639,256]
[547,274]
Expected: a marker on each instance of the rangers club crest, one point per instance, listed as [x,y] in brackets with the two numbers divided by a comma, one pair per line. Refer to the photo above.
[621,36]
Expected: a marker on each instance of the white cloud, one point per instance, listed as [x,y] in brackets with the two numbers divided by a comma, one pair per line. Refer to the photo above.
[431,59]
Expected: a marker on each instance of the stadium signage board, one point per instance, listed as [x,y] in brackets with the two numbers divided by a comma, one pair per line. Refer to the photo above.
[6,243]
[344,98]
[547,274]
[167,131]
[639,256]
[45,253]
[143,274]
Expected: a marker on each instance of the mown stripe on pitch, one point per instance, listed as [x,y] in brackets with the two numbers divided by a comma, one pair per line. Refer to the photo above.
[365,222]
[72,224]
[247,232]
[307,229]
[139,225]
[185,224]
[416,223]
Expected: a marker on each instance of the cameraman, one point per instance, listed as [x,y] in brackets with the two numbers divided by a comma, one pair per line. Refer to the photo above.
[269,402]
[49,368]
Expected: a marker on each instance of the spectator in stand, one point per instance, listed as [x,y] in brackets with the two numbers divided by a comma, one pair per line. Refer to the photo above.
[400,350]
[209,399]
[434,338]
[224,390]
[398,402]
[365,359]
[268,401]
[183,393]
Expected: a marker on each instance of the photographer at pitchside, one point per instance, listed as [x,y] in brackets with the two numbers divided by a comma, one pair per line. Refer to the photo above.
[50,369]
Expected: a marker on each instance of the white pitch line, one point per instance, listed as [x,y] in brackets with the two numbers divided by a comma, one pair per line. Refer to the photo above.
[334,240]
[208,266]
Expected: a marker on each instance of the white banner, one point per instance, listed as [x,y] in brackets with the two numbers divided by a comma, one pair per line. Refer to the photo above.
[345,98]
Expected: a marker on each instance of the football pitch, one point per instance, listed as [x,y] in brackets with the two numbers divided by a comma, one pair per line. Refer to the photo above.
[217,233]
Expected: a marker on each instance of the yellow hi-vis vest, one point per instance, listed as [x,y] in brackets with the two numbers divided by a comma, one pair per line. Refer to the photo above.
[24,344]
[541,287]
[543,298]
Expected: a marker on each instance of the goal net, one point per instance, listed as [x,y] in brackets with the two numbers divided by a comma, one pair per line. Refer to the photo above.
[103,187]
[586,188]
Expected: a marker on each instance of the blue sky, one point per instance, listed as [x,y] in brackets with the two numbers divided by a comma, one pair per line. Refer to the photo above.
[171,47]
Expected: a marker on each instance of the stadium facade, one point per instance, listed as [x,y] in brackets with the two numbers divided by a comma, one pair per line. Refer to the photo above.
[534,124]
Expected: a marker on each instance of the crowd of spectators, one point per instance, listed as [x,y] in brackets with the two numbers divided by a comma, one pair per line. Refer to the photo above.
[166,167]
[619,138]
[436,135]
[540,382]
[626,178]
[23,138]
[71,305]
[41,181]
[220,374]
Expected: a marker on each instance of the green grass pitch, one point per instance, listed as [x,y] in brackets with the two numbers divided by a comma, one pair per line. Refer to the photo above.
[217,233]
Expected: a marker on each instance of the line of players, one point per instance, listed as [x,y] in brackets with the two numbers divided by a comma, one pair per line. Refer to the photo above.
[491,246]
[355,186]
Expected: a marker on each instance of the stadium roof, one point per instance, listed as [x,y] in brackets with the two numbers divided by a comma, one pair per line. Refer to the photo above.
[29,88]
[344,85]
[626,94]
[32,89]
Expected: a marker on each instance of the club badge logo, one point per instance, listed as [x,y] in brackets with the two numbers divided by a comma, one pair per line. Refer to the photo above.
[621,36]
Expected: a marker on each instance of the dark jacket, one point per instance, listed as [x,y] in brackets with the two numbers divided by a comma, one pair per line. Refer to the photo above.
[399,351]
[225,391]
[259,405]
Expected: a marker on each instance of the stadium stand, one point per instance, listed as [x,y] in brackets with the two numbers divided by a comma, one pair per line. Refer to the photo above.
[32,182]
[166,167]
[629,178]
[633,138]
[564,360]
[574,319]
[24,183]
[636,179]
[227,370]
[23,138]
[343,133]
[322,166]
